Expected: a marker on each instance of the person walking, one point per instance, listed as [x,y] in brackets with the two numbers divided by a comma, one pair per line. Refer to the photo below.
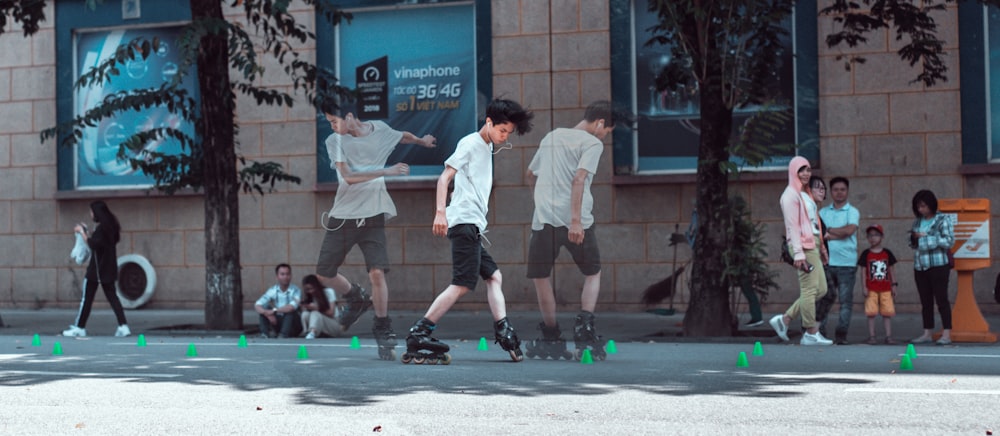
[931,238]
[802,231]
[102,270]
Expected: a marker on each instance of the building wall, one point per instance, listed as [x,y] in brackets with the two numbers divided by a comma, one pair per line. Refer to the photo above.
[890,137]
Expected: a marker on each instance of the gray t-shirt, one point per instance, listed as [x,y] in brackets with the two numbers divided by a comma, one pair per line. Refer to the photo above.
[473,160]
[561,153]
[364,153]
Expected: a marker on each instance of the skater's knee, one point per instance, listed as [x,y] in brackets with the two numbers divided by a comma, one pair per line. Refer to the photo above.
[495,279]
[377,276]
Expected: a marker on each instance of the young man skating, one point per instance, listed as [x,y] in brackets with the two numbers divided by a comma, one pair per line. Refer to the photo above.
[464,222]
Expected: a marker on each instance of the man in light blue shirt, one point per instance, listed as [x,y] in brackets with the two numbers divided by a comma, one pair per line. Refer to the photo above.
[278,308]
[841,221]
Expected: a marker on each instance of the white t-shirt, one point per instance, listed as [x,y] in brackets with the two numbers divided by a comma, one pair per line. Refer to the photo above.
[811,211]
[561,153]
[364,153]
[473,160]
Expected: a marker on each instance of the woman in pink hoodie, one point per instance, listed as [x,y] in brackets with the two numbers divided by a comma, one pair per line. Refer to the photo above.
[802,228]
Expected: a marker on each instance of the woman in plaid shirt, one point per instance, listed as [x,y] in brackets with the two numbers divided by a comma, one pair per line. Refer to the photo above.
[931,238]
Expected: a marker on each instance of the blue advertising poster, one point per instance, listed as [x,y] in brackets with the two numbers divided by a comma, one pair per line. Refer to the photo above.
[97,163]
[413,68]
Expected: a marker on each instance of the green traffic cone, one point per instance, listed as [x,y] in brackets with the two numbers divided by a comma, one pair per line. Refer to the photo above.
[192,351]
[56,349]
[303,354]
[141,342]
[910,351]
[36,341]
[741,362]
[355,343]
[611,348]
[482,345]
[905,364]
[758,350]
[242,342]
[587,359]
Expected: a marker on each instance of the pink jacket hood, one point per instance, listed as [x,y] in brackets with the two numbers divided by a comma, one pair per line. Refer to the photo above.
[798,228]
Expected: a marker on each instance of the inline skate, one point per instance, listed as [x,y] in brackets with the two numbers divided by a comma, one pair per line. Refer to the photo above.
[505,336]
[550,345]
[422,348]
[586,338]
[358,301]
[385,338]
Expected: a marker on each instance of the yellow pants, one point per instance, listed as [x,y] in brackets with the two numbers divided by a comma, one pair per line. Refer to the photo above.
[812,286]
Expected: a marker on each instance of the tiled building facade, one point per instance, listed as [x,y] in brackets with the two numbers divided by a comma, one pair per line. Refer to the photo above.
[889,136]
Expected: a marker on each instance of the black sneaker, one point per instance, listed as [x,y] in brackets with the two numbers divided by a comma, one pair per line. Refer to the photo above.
[753,323]
[840,340]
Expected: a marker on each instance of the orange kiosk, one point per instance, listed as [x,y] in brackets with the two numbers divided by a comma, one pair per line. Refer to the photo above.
[971,219]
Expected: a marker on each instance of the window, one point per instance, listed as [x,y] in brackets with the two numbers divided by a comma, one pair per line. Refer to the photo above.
[979,57]
[666,141]
[421,67]
[84,39]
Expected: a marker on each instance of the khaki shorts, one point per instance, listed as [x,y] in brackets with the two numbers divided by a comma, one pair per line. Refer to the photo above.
[880,303]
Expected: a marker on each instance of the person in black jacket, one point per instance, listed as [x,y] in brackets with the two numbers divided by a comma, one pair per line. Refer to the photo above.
[103,269]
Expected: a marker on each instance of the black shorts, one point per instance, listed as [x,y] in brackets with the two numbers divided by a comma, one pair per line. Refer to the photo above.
[370,237]
[544,248]
[469,260]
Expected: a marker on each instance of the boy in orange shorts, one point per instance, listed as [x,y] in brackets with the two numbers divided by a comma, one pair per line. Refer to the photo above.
[880,283]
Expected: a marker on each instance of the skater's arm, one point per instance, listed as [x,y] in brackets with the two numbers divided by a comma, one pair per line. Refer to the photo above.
[351,177]
[441,200]
[576,206]
[426,141]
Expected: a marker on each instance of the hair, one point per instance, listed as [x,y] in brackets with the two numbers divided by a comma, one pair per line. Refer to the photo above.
[926,197]
[812,181]
[319,296]
[815,179]
[336,106]
[612,116]
[508,111]
[280,266]
[839,179]
[104,217]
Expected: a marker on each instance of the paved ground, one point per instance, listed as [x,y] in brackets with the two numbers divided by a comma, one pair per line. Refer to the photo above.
[462,325]
[107,385]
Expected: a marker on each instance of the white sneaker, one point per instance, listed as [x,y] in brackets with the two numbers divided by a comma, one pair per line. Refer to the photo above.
[74,331]
[311,335]
[814,339]
[778,324]
[123,331]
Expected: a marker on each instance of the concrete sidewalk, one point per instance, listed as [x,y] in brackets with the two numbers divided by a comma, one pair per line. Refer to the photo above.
[456,325]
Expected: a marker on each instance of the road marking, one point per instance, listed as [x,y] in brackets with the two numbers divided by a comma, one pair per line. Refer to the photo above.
[985,356]
[921,391]
[87,374]
[251,345]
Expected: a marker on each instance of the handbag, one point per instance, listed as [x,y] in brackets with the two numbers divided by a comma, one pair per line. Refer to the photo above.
[785,256]
[81,252]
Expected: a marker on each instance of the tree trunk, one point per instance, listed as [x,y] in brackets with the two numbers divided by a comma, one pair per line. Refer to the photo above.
[223,285]
[708,313]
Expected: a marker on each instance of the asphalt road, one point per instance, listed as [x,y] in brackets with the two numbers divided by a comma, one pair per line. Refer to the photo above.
[106,385]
